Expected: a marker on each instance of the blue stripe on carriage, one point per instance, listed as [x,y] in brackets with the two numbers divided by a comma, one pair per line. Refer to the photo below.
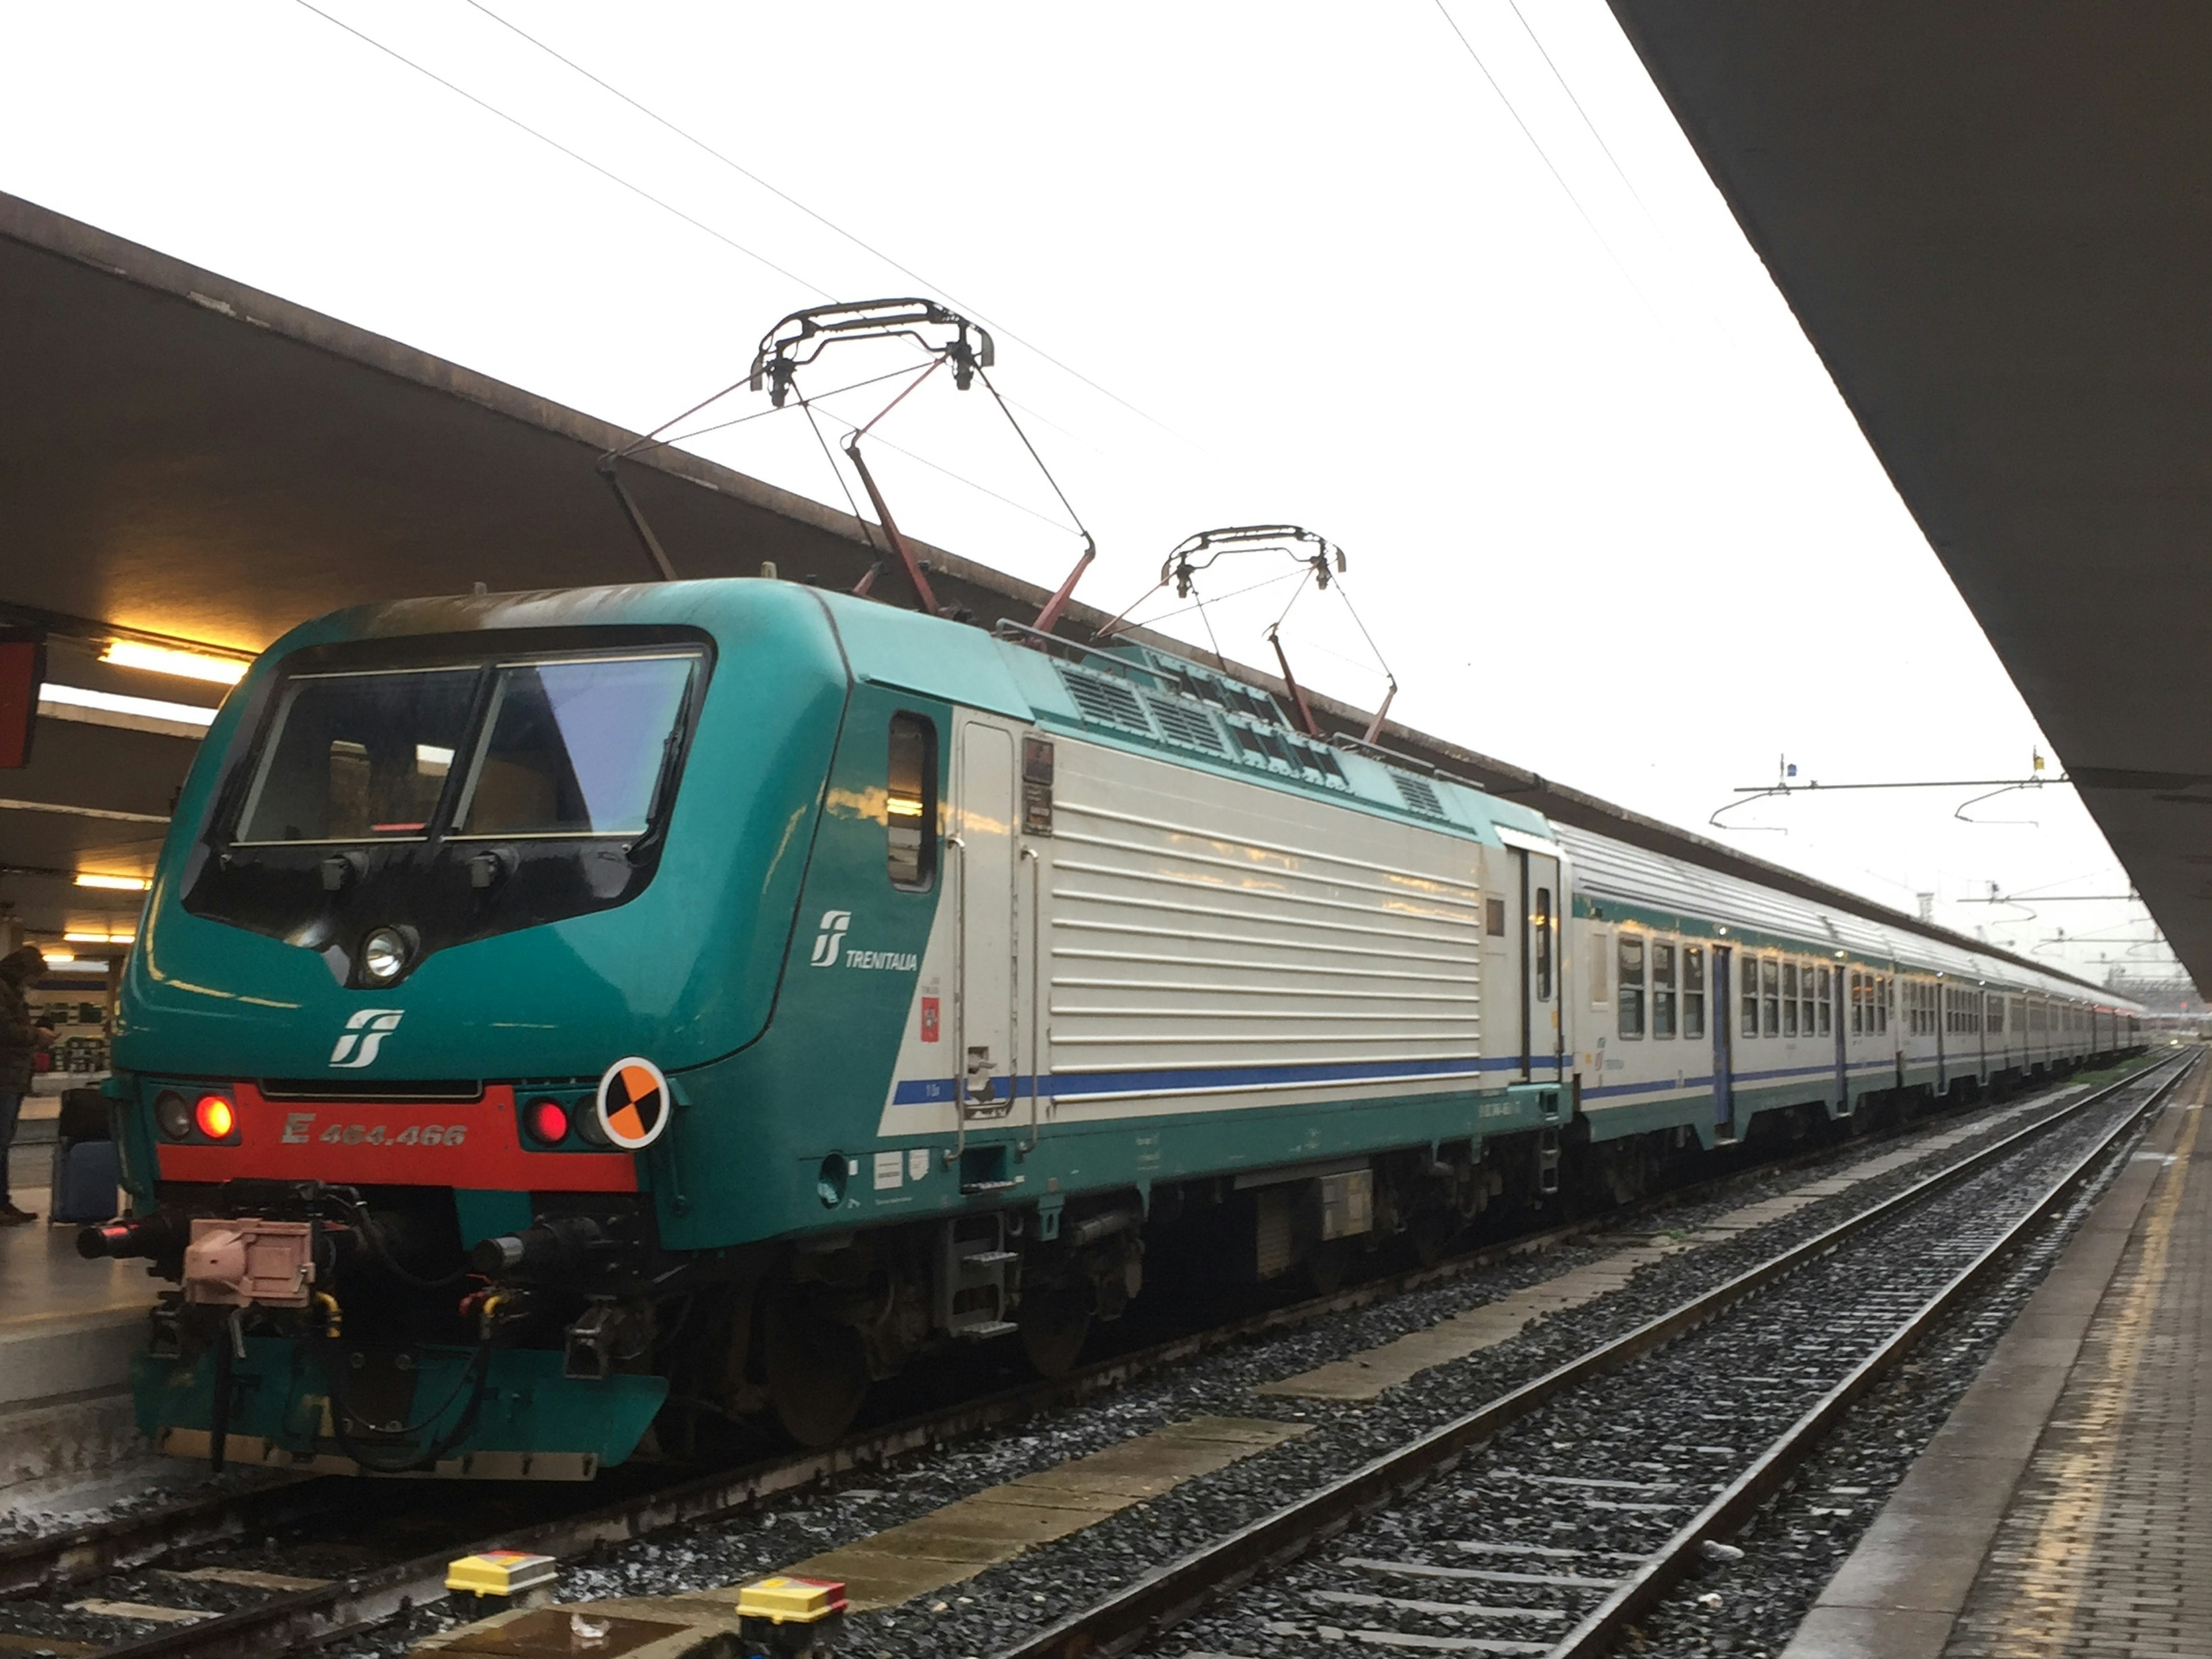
[1859,1069]
[922,1091]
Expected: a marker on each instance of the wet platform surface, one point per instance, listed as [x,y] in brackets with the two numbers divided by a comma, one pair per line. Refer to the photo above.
[68,1329]
[2065,1508]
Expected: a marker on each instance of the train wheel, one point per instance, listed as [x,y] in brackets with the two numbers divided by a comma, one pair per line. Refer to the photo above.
[1327,1268]
[817,1373]
[1053,1325]
[1432,1233]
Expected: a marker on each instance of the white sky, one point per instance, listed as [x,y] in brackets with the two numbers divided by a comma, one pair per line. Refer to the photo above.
[1606,513]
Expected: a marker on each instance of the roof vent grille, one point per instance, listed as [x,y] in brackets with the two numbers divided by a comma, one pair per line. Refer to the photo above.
[1192,727]
[1107,699]
[1418,793]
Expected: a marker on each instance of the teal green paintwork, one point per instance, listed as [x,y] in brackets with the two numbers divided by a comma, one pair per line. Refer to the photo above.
[684,972]
[903,651]
[279,1394]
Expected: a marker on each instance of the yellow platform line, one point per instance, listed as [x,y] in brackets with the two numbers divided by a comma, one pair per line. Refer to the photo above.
[2044,1608]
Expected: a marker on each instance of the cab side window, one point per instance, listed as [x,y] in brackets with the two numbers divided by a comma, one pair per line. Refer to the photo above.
[910,804]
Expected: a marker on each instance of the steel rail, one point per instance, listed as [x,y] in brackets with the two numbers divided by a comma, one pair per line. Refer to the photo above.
[1146,1608]
[31,1566]
[368,1598]
[1606,1623]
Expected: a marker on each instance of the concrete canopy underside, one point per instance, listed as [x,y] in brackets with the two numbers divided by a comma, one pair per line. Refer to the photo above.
[186,457]
[1993,223]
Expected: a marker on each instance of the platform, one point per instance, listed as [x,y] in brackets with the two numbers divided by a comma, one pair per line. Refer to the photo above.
[68,1328]
[2065,1507]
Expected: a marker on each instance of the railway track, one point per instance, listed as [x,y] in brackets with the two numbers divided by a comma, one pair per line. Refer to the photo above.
[273,1617]
[1526,1526]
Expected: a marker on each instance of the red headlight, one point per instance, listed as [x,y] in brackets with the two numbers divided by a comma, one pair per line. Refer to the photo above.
[216,1116]
[547,1121]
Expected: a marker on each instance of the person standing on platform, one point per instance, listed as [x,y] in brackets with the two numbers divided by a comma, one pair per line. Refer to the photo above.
[18,1041]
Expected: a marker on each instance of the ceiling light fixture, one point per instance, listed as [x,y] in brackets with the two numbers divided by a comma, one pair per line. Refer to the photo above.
[169,660]
[115,884]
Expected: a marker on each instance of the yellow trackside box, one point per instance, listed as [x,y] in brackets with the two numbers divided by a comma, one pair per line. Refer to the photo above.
[499,1573]
[783,1601]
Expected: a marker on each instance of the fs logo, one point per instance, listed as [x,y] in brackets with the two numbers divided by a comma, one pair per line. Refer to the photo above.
[364,1034]
[832,937]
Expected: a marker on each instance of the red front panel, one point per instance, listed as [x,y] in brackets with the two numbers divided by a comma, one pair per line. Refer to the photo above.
[399,1144]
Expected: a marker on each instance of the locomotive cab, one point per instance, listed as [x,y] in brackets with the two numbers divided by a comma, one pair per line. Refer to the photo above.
[453,888]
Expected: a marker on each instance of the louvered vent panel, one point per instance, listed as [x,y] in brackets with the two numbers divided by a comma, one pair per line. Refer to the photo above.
[1418,793]
[1180,723]
[1109,700]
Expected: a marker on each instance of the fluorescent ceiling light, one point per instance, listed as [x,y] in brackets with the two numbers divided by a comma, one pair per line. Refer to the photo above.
[99,938]
[167,659]
[115,702]
[119,884]
[53,957]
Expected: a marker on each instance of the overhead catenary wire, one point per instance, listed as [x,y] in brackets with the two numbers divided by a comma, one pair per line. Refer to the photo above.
[1619,172]
[785,196]
[577,157]
[1543,155]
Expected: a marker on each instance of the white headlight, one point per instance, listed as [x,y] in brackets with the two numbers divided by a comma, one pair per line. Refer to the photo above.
[383,954]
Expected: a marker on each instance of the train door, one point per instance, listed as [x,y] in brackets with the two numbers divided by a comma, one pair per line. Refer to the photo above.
[1506,1019]
[1721,1015]
[983,1003]
[1840,1015]
[1940,994]
[1541,1033]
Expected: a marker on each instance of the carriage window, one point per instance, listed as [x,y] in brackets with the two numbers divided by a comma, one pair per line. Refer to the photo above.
[1826,1003]
[1630,1012]
[1748,967]
[1790,999]
[1600,983]
[1769,990]
[1852,987]
[1542,923]
[910,803]
[1885,990]
[1663,988]
[1694,990]
[1806,1016]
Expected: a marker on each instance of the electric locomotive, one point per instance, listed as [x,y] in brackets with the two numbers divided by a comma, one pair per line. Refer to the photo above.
[558,1011]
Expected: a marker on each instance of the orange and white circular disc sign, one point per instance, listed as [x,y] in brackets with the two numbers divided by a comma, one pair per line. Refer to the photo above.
[632,1104]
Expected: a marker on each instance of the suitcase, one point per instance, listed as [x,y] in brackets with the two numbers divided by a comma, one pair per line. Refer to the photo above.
[83,1116]
[87,1178]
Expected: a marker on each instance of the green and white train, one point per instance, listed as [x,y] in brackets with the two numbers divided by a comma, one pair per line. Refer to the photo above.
[553,1006]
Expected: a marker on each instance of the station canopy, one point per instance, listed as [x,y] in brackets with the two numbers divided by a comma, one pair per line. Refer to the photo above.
[191,464]
[1994,222]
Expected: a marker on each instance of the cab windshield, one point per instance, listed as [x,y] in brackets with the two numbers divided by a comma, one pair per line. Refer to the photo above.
[562,748]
